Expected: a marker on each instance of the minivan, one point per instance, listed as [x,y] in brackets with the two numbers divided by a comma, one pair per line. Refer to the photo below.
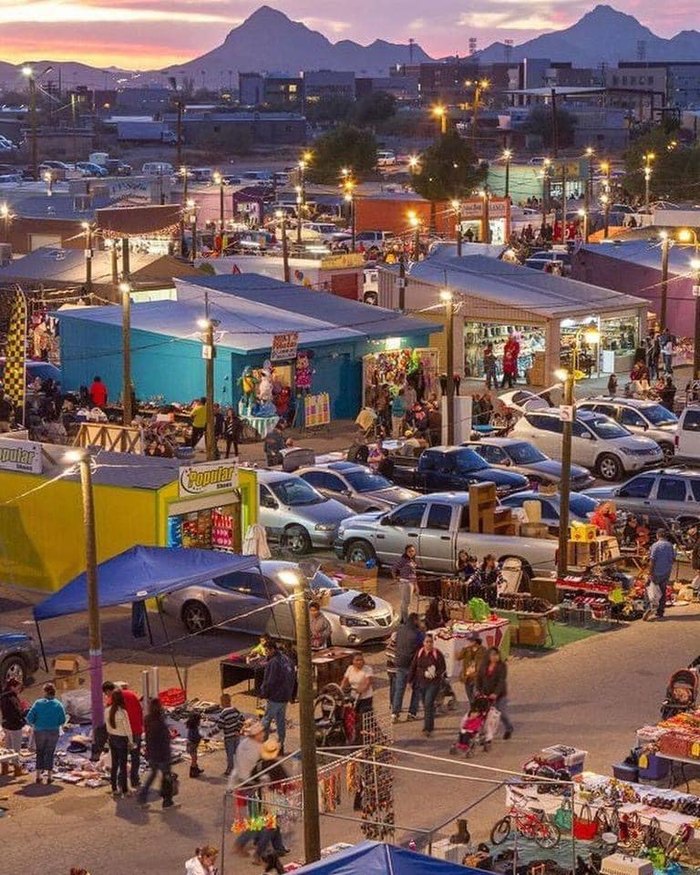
[598,442]
[157,168]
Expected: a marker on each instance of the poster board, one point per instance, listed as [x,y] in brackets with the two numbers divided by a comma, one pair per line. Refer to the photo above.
[317,410]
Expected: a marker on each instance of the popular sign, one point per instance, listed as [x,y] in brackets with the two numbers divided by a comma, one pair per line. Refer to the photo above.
[20,456]
[284,346]
[208,477]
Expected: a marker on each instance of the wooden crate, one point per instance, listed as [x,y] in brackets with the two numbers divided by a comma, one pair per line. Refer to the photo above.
[482,507]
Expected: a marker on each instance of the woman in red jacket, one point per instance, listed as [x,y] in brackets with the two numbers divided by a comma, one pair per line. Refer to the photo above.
[511,351]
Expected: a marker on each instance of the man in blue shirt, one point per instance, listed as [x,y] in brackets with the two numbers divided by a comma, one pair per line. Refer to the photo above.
[661,558]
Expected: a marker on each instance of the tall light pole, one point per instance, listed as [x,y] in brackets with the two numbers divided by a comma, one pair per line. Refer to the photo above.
[48,179]
[5,216]
[507,155]
[446,298]
[219,180]
[695,265]
[545,189]
[479,85]
[192,217]
[588,188]
[127,411]
[414,223]
[301,190]
[485,217]
[348,184]
[457,207]
[82,458]
[300,201]
[440,113]
[209,354]
[184,174]
[281,217]
[605,198]
[648,158]
[584,215]
[87,227]
[28,73]
[665,246]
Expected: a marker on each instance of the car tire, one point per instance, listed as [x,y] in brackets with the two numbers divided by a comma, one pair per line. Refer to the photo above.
[609,467]
[196,617]
[13,667]
[669,451]
[360,551]
[297,540]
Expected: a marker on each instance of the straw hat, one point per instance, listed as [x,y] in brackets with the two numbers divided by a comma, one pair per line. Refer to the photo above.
[270,749]
[252,727]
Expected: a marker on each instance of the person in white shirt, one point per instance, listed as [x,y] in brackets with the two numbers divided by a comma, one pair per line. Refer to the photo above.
[203,861]
[121,740]
[359,680]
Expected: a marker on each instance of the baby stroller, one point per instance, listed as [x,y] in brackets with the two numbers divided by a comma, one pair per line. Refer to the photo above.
[334,717]
[478,727]
[681,693]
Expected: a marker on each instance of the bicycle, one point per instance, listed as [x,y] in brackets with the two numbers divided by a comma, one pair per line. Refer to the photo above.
[530,825]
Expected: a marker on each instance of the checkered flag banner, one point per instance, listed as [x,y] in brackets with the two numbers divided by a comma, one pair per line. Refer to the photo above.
[14,380]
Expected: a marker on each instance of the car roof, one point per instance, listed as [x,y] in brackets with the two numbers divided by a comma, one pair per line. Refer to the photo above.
[339,467]
[675,471]
[496,442]
[445,449]
[627,402]
[448,497]
[555,411]
[265,476]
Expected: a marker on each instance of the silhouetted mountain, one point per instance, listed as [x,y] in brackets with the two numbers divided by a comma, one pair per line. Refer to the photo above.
[603,35]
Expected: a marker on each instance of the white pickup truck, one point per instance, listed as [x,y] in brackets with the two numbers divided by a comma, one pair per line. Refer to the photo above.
[437,526]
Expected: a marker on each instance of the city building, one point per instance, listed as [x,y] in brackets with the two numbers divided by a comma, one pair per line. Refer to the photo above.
[319,84]
[272,90]
[211,127]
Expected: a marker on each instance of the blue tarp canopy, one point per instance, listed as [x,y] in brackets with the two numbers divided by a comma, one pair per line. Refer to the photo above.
[142,573]
[377,858]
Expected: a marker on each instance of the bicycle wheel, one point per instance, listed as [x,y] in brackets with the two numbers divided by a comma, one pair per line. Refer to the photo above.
[501,831]
[548,835]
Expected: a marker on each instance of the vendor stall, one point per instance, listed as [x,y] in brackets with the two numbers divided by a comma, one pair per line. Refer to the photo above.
[395,367]
[451,641]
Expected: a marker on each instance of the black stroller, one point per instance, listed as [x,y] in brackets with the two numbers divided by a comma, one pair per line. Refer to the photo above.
[334,717]
[681,693]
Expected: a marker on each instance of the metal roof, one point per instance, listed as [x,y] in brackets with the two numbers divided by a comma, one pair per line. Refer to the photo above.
[118,469]
[646,253]
[513,285]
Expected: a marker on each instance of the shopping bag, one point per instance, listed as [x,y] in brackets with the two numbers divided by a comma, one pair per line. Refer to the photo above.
[493,719]
[564,817]
[585,827]
[653,594]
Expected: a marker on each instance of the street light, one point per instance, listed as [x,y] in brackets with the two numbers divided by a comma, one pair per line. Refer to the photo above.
[192,209]
[219,180]
[507,155]
[584,215]
[695,265]
[605,197]
[209,354]
[82,458]
[479,86]
[28,72]
[546,164]
[485,217]
[446,298]
[87,227]
[281,217]
[5,216]
[440,113]
[183,173]
[457,207]
[127,406]
[588,190]
[413,163]
[348,185]
[300,201]
[414,223]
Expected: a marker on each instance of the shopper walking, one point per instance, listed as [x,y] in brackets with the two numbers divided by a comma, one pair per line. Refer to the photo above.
[247,756]
[427,673]
[511,351]
[194,739]
[233,426]
[666,346]
[492,681]
[13,720]
[98,393]
[661,559]
[277,687]
[398,413]
[47,715]
[121,740]
[158,754]
[404,571]
[359,681]
[231,722]
[490,367]
[132,703]
[409,638]
[471,658]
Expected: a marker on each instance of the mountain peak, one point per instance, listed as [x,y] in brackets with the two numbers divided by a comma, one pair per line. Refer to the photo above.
[266,14]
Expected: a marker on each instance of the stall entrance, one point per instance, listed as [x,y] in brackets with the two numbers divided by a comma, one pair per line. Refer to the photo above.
[531,358]
[207,523]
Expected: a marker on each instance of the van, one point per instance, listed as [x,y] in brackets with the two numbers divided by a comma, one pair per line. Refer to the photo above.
[386,158]
[688,435]
[157,168]
[201,174]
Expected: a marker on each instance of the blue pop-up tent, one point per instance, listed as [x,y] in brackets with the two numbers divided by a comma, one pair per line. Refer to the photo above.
[141,573]
[378,858]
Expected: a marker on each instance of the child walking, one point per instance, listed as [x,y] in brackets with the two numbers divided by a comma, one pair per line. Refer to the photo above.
[194,739]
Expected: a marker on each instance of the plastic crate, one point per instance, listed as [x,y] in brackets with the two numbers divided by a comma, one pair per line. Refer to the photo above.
[657,768]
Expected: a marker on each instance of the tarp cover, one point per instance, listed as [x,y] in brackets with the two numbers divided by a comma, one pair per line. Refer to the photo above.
[376,858]
[141,573]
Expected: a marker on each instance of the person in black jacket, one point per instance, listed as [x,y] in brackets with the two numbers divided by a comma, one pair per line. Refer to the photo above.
[428,671]
[492,681]
[158,754]
[278,688]
[12,715]
[409,638]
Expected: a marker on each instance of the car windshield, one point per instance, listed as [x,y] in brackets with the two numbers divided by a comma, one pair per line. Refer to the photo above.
[658,415]
[525,454]
[295,492]
[606,429]
[468,460]
[323,581]
[365,481]
[582,505]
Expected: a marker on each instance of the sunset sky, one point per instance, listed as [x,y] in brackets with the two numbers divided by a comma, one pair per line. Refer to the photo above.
[143,34]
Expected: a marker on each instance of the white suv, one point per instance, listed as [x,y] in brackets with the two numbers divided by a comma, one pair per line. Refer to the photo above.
[646,418]
[598,442]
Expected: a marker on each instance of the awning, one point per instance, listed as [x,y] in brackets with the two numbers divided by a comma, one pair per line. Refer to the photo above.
[376,858]
[138,221]
[142,573]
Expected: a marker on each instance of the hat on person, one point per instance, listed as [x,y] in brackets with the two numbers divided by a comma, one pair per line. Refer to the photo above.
[270,749]
[253,727]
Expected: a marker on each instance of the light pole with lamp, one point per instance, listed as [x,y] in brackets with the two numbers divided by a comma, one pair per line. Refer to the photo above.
[568,378]
[82,458]
[648,158]
[457,208]
[414,222]
[219,180]
[349,184]
[48,179]
[209,354]
[440,113]
[446,298]
[584,215]
[546,164]
[605,198]
[300,201]
[28,72]
[192,208]
[184,174]
[87,227]
[480,85]
[588,189]
[5,216]
[507,155]
[485,216]
[127,406]
[695,265]
[281,217]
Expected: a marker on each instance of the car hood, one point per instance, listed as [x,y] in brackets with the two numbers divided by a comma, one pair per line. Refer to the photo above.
[392,495]
[330,511]
[637,443]
[497,476]
[601,493]
[340,604]
[366,519]
[553,468]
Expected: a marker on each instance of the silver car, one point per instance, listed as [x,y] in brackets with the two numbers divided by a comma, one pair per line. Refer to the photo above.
[647,418]
[258,602]
[296,514]
[356,486]
[526,459]
[664,495]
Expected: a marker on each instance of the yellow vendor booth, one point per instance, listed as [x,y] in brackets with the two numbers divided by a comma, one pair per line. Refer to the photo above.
[138,500]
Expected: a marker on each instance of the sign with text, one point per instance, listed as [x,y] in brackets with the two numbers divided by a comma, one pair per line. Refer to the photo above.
[20,456]
[207,478]
[284,346]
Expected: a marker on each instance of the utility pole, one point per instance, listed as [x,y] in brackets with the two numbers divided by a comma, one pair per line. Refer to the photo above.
[299,204]
[88,256]
[446,297]
[33,121]
[221,203]
[507,155]
[565,484]
[563,202]
[485,217]
[183,246]
[665,246]
[209,354]
[127,411]
[695,265]
[178,132]
[545,190]
[307,726]
[555,127]
[402,282]
[282,216]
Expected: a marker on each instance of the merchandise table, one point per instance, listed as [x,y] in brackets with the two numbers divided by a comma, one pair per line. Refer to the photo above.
[236,669]
[263,425]
[451,641]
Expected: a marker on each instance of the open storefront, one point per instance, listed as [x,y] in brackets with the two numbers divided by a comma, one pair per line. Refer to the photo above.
[394,368]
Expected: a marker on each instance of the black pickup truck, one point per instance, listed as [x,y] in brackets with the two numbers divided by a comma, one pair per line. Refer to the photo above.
[448,469]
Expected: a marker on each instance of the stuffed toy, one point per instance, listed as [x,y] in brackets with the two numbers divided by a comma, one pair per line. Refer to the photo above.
[303,371]
[264,405]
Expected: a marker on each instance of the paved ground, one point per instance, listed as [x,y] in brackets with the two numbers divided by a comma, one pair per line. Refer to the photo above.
[592,694]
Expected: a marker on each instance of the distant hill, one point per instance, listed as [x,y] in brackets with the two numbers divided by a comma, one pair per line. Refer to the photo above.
[71,73]
[603,35]
[270,41]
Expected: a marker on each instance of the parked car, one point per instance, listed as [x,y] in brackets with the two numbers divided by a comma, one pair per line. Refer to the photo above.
[580,506]
[373,238]
[441,468]
[687,439]
[522,400]
[671,493]
[647,418]
[295,513]
[258,602]
[386,158]
[522,457]
[437,526]
[87,168]
[356,486]
[19,657]
[599,443]
[549,257]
